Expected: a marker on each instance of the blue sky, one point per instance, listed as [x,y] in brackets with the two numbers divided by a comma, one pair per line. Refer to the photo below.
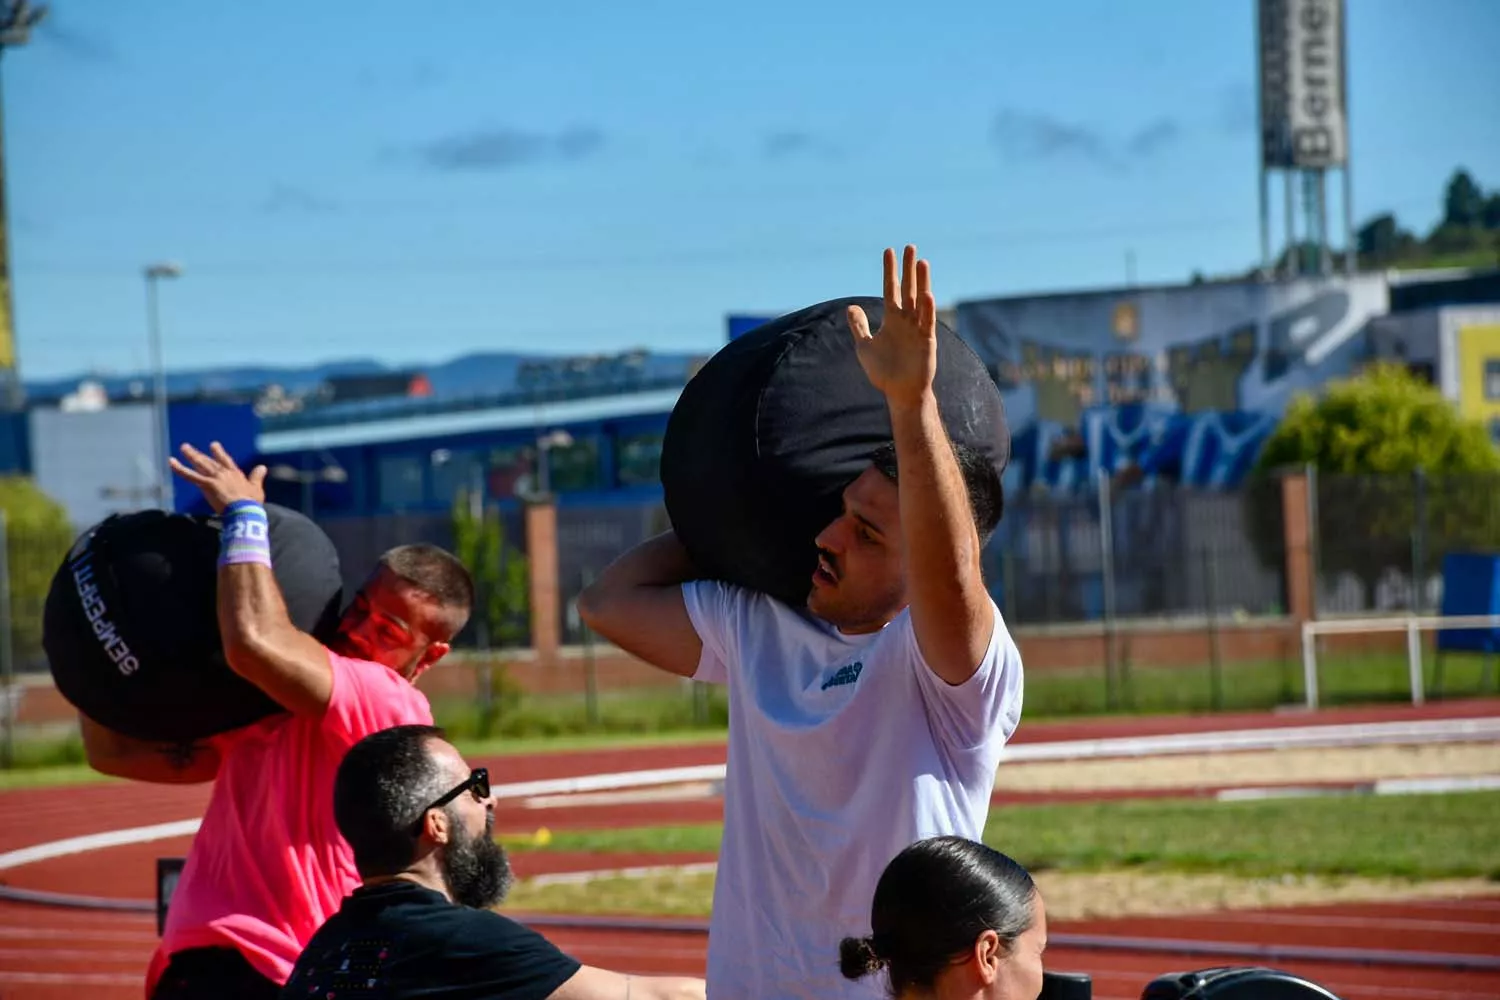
[410,182]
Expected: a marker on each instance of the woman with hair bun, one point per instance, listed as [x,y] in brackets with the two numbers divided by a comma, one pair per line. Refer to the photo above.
[953,918]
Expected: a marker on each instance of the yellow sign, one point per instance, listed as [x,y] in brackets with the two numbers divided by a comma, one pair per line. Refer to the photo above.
[7,329]
[1126,321]
[1479,371]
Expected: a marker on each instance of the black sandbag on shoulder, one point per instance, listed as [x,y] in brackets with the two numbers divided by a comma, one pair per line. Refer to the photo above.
[130,626]
[767,434]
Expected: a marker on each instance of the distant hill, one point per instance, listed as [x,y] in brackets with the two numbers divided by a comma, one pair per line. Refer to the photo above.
[468,375]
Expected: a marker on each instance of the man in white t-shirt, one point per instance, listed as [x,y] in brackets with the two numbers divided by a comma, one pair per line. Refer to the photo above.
[868,720]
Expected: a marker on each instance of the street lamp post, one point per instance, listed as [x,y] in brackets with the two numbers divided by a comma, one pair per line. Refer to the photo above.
[544,444]
[331,472]
[154,273]
[17,19]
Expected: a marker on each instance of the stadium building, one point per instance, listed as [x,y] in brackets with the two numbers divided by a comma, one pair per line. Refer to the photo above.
[1168,384]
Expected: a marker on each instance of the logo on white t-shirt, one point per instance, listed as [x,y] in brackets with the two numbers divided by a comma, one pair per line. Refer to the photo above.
[844,675]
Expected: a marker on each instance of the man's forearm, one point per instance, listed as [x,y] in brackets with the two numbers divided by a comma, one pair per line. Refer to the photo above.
[659,561]
[264,647]
[949,605]
[252,611]
[637,604]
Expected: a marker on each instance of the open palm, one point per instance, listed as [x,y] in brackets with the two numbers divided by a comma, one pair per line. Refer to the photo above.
[220,477]
[900,359]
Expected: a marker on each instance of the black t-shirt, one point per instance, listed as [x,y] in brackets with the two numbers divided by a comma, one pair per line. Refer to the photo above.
[399,940]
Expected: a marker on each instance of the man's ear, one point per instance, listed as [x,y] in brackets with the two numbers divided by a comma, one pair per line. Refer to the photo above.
[435,826]
[433,653]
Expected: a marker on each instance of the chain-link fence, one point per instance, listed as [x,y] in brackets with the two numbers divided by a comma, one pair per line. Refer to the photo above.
[1099,585]
[1134,554]
[1381,540]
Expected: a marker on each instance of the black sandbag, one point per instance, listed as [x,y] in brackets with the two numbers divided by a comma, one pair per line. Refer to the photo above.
[1234,982]
[131,628]
[767,434]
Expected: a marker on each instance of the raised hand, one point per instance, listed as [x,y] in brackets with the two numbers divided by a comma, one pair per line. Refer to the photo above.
[220,479]
[901,358]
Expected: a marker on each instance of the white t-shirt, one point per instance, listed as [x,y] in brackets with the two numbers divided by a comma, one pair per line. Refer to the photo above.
[843,750]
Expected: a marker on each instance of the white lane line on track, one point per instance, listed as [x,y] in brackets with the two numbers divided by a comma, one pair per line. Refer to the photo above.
[643,871]
[72,978]
[1281,737]
[655,794]
[1278,738]
[35,933]
[97,841]
[1381,786]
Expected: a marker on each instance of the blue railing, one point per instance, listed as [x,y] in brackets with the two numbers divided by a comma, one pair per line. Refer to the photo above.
[392,409]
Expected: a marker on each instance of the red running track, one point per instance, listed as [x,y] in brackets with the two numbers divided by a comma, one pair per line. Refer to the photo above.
[48,952]
[82,809]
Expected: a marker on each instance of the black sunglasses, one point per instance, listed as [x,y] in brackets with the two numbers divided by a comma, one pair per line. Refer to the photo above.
[478,780]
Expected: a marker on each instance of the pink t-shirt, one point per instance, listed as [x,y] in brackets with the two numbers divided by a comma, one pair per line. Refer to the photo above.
[268,865]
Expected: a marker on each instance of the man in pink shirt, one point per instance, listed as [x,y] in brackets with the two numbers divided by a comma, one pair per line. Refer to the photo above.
[268,865]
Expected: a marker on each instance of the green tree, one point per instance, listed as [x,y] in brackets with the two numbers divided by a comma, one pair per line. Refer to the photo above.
[1382,241]
[1463,201]
[1383,421]
[503,598]
[501,580]
[1492,211]
[1402,476]
[37,537]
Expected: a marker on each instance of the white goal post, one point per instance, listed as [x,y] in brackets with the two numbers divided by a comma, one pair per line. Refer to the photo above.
[1412,625]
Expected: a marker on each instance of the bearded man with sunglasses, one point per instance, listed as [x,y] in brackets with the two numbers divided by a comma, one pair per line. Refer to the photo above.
[268,865]
[421,824]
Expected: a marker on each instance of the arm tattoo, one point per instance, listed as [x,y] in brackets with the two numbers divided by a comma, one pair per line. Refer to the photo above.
[182,755]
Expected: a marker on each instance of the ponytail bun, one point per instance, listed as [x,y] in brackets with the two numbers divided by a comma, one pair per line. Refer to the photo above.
[857,958]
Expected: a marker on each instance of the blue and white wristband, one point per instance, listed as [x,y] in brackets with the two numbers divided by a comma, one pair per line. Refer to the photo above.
[246,535]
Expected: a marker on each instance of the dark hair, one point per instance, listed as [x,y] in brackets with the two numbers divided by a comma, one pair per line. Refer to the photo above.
[932,902]
[382,784]
[436,572]
[433,570]
[981,482]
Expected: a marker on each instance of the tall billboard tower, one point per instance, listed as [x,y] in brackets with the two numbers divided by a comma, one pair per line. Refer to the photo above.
[17,18]
[1304,128]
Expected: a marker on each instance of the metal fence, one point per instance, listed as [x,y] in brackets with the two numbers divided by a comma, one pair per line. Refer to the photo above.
[32,556]
[1159,553]
[1107,552]
[1380,540]
[1129,553]
[1102,559]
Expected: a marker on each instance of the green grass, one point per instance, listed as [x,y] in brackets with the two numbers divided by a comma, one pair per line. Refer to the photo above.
[48,776]
[695,838]
[1343,679]
[1409,836]
[667,715]
[48,751]
[42,763]
[49,760]
[670,894]
[1404,836]
[517,746]
[538,724]
[638,713]
[1477,258]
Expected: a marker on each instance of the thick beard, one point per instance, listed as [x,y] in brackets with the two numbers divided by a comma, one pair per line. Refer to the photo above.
[477,871]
